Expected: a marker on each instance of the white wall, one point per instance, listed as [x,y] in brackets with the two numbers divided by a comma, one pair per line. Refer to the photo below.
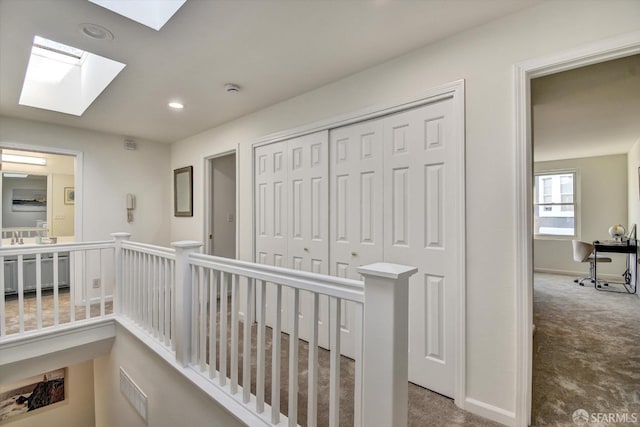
[76,411]
[61,220]
[172,399]
[633,165]
[484,57]
[602,202]
[110,172]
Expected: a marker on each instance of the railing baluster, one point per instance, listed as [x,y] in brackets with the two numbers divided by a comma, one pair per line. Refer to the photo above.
[173,285]
[194,314]
[21,292]
[312,391]
[56,284]
[202,324]
[102,285]
[167,302]
[223,330]
[246,344]
[161,298]
[276,345]
[234,334]
[39,290]
[72,287]
[293,356]
[334,363]
[260,346]
[357,392]
[3,314]
[87,288]
[213,304]
[149,293]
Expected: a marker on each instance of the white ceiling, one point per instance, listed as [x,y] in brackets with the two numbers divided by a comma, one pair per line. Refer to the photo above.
[274,49]
[586,112]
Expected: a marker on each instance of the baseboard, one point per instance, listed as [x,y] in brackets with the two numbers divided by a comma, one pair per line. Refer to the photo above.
[576,274]
[490,412]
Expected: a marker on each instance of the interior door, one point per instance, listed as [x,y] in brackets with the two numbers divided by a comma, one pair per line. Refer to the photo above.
[356,209]
[308,247]
[421,173]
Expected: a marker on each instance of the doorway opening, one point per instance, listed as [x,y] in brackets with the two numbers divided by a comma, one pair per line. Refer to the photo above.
[221,206]
[38,197]
[596,53]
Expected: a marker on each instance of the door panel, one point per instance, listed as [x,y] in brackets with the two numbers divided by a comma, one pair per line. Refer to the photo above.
[356,215]
[271,217]
[418,200]
[308,242]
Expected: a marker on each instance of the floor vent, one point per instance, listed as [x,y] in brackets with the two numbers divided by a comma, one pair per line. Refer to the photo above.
[134,395]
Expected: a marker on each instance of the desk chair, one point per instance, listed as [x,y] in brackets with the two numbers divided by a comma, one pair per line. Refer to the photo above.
[583,252]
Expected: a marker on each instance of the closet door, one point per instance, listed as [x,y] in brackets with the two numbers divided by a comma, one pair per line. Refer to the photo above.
[270,198]
[422,183]
[308,213]
[356,209]
[291,221]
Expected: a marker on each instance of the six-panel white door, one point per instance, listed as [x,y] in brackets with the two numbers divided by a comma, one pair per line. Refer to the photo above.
[356,209]
[308,213]
[421,175]
[270,198]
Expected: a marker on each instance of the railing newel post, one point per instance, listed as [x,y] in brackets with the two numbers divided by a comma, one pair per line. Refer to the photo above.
[183,299]
[119,269]
[385,336]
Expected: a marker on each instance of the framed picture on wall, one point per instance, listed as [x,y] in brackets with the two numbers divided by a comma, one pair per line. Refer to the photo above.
[183,191]
[30,394]
[69,195]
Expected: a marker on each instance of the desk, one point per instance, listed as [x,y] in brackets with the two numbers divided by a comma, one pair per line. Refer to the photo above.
[630,248]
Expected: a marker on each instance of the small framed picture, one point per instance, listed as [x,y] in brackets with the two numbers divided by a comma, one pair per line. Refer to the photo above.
[69,195]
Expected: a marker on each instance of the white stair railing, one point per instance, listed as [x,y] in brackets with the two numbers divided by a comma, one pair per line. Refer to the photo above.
[208,314]
[68,283]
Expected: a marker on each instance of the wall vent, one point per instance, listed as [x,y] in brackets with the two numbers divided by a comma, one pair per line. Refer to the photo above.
[134,395]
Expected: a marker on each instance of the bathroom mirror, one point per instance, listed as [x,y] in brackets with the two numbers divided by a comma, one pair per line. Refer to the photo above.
[183,191]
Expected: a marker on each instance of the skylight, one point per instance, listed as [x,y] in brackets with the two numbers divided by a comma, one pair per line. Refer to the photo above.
[152,13]
[65,79]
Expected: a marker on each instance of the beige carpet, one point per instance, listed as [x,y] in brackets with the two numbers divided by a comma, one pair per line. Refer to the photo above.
[586,352]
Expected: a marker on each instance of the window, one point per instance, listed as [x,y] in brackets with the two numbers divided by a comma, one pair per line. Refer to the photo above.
[554,204]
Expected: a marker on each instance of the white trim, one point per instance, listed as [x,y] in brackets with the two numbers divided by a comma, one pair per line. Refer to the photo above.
[490,412]
[599,51]
[78,178]
[207,199]
[432,95]
[454,90]
[575,274]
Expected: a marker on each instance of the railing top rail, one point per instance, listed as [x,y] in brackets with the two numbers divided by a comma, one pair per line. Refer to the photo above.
[57,247]
[161,251]
[352,290]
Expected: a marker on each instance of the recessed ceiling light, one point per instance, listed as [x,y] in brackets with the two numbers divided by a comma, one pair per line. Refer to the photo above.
[95,31]
[176,105]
